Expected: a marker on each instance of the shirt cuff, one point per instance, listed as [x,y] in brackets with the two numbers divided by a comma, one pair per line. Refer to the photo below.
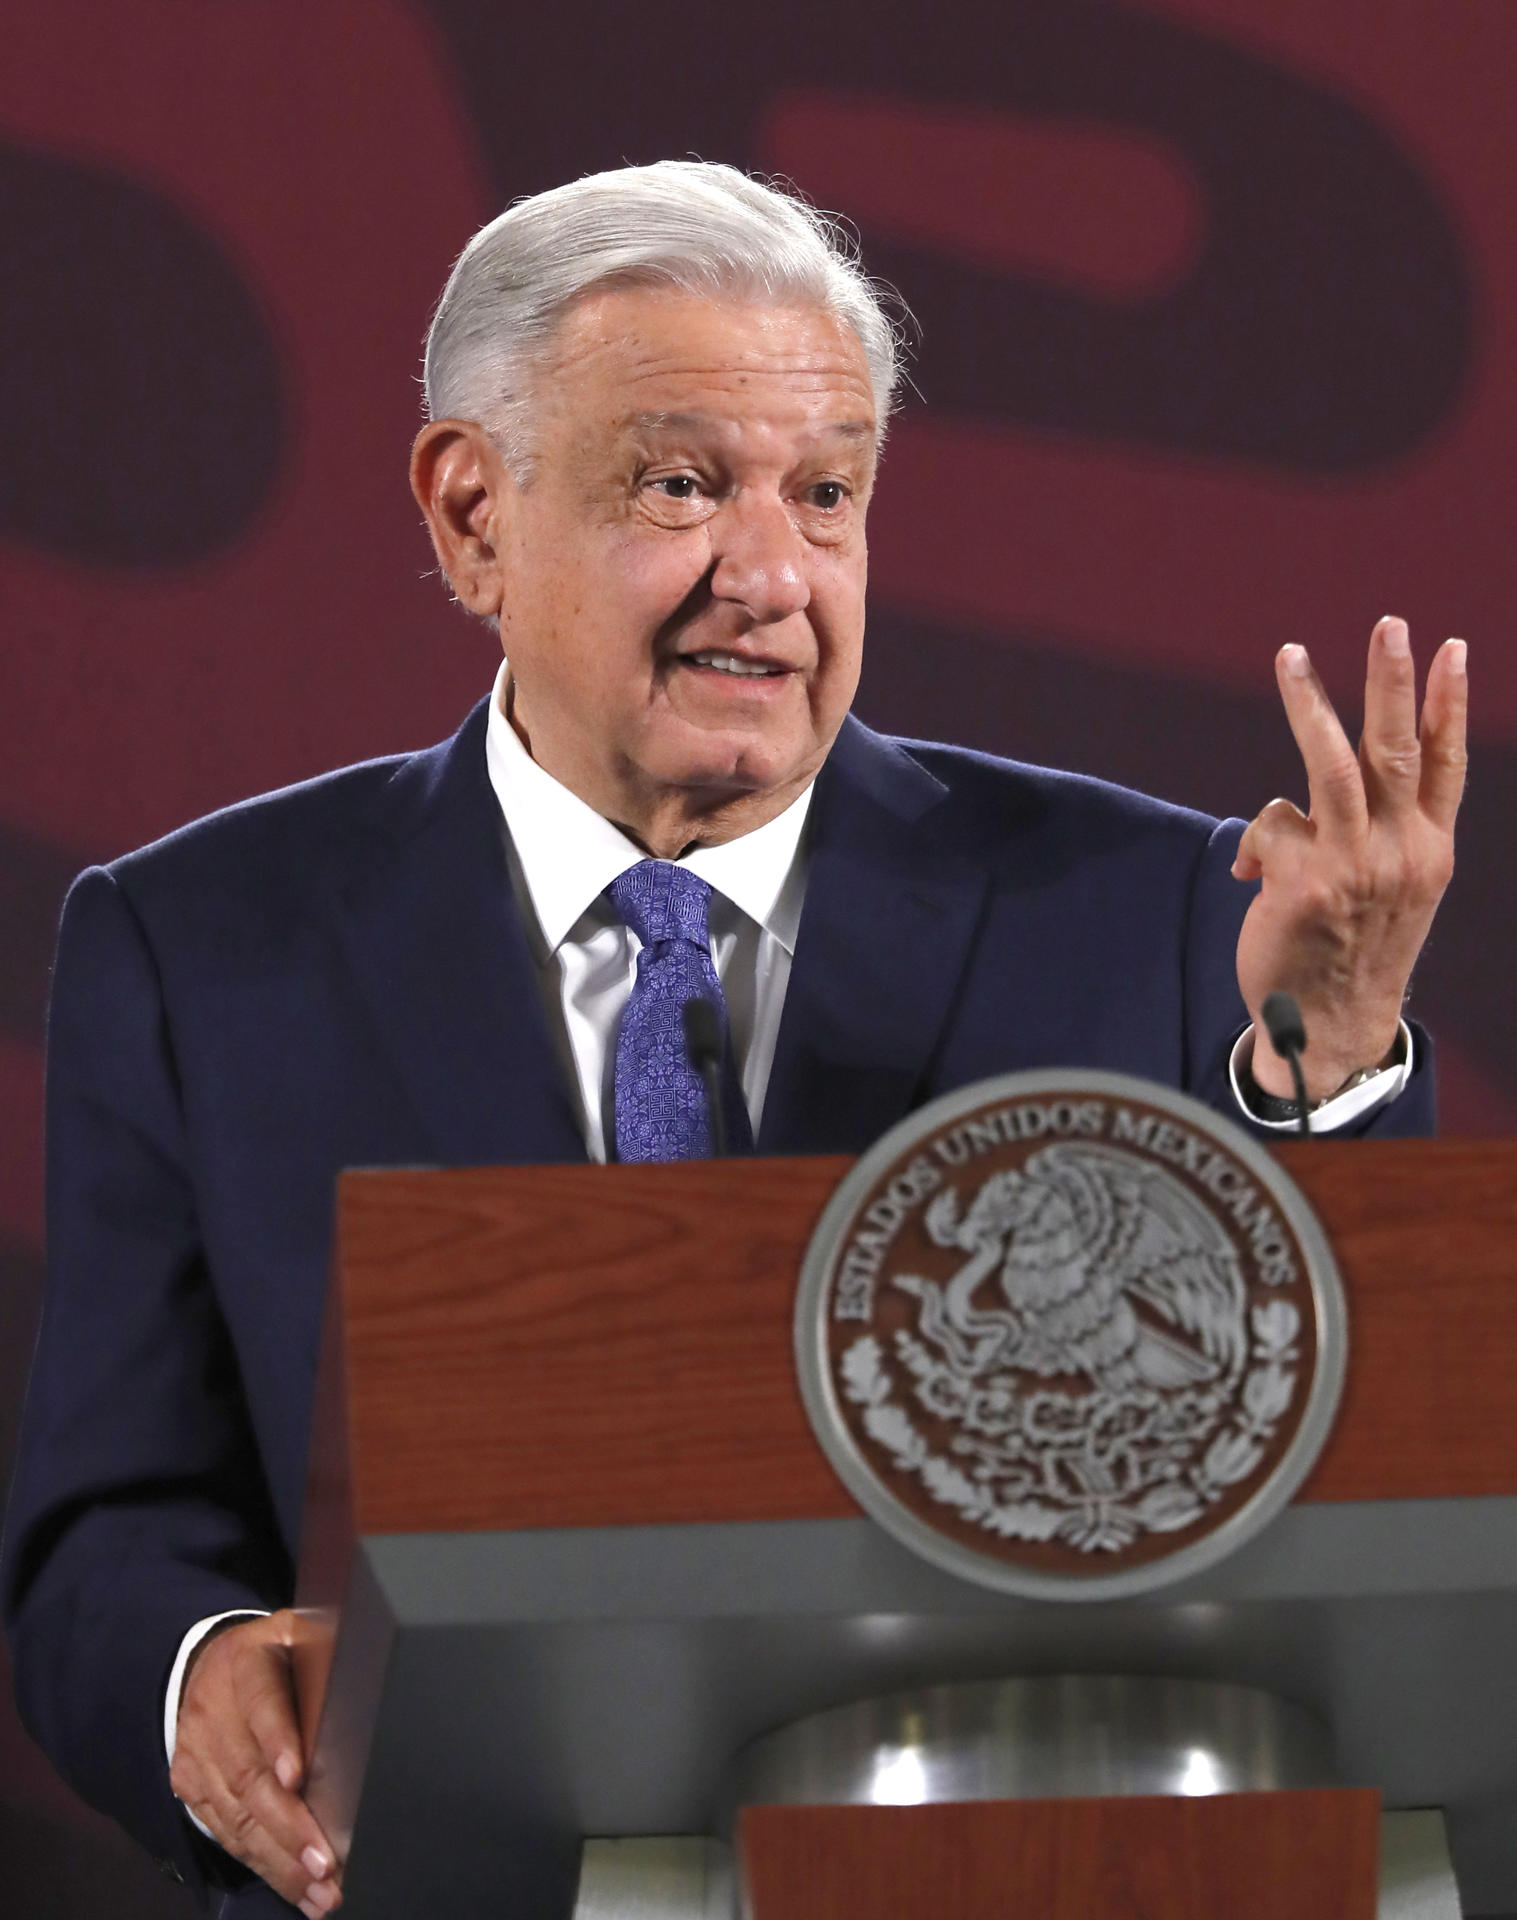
[1336,1113]
[175,1687]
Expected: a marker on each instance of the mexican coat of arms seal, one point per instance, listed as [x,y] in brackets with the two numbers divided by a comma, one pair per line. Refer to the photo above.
[1071,1335]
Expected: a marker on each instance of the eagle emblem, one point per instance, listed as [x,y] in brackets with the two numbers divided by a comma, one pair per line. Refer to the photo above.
[1086,1354]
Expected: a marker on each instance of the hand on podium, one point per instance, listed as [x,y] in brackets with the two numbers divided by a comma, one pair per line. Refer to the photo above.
[238,1764]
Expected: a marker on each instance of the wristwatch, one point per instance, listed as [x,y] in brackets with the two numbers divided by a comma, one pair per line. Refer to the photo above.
[1273,1108]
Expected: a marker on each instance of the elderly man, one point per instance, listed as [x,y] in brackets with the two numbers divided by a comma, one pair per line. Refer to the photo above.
[656,403]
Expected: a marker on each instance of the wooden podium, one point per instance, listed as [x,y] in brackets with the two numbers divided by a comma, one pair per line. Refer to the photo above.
[570,1543]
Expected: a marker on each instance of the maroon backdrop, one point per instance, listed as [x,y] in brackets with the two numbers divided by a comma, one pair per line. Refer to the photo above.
[1218,302]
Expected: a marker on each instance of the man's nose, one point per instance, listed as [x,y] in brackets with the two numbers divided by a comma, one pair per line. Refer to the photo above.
[760,558]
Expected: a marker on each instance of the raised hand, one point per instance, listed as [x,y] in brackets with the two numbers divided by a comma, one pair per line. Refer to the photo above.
[238,1765]
[1349,889]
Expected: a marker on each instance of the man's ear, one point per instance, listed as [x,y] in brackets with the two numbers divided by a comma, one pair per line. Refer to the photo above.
[461,485]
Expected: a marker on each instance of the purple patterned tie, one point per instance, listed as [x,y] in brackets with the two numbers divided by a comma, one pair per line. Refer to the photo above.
[660,1097]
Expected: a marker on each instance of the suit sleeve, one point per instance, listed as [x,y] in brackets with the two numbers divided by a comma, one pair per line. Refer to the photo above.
[1215,1014]
[139,1504]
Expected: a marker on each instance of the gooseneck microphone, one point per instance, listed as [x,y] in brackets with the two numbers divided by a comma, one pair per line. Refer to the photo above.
[703,1049]
[1287,1035]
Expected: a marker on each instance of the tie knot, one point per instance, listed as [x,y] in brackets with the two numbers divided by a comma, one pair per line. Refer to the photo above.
[661,901]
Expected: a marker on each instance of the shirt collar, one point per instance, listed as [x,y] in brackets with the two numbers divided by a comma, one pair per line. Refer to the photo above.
[569,854]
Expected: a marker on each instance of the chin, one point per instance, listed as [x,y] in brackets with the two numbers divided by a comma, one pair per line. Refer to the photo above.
[737,764]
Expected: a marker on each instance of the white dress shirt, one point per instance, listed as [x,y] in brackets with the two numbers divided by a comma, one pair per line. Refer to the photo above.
[563,855]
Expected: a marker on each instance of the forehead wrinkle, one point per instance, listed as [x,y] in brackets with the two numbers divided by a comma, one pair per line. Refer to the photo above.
[825,368]
[662,420]
[647,358]
[830,367]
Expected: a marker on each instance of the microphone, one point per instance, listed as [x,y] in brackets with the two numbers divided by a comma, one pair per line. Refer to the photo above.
[703,1049]
[1287,1035]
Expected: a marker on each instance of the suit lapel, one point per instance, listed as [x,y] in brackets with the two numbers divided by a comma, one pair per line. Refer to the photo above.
[887,926]
[436,945]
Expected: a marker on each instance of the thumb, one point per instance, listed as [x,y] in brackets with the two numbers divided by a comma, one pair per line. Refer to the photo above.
[1279,832]
[1247,864]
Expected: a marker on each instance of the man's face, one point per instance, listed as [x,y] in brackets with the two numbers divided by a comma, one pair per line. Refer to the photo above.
[682,581]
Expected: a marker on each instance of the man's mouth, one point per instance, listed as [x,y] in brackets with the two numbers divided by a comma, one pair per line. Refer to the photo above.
[734,664]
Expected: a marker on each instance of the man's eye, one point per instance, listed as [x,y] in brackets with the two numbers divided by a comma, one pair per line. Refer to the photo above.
[678,486]
[828,494]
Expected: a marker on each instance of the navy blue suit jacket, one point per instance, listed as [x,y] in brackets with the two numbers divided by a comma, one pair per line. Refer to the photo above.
[337,976]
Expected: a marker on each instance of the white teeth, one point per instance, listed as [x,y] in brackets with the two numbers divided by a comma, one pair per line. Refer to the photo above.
[729,663]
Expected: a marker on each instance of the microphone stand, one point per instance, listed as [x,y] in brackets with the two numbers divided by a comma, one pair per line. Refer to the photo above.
[1287,1035]
[703,1049]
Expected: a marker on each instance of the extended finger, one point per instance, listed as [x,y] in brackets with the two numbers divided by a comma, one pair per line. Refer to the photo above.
[266,1695]
[277,1836]
[1334,780]
[1389,753]
[265,1692]
[1444,710]
[260,1822]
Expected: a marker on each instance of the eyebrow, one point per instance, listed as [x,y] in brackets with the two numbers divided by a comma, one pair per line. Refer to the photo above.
[697,422]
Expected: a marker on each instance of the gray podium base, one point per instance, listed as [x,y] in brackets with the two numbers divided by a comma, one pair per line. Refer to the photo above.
[514,1692]
[692,1879]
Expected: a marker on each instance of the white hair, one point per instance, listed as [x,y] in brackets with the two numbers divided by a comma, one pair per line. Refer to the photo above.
[688,225]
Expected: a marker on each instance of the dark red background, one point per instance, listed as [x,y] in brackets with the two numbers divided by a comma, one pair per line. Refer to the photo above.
[1218,302]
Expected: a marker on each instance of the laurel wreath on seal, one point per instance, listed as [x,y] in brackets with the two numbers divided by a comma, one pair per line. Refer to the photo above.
[1096,1488]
